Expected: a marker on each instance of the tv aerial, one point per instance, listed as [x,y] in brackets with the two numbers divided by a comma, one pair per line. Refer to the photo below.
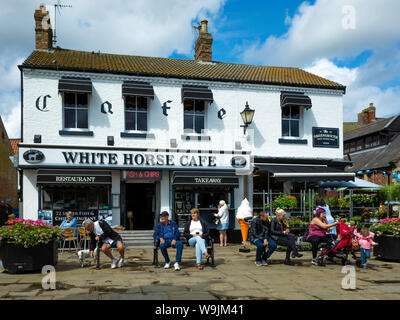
[57,7]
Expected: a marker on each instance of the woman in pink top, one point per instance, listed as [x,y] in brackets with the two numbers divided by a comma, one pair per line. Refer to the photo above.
[317,232]
[366,242]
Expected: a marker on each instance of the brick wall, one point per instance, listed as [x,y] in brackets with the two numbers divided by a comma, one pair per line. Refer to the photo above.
[8,173]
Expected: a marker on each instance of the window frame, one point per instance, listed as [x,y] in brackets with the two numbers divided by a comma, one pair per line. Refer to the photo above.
[76,110]
[192,131]
[300,121]
[136,112]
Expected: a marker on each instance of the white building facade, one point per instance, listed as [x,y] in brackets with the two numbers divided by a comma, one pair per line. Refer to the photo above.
[124,145]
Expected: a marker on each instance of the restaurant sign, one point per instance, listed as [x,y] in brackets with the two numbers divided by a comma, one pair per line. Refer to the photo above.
[325,137]
[141,175]
[146,159]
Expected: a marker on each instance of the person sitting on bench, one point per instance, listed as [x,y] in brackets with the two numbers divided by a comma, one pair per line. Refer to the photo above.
[259,234]
[109,238]
[167,232]
[196,232]
[280,233]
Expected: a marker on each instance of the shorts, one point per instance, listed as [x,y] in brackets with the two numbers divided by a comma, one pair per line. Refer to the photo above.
[223,226]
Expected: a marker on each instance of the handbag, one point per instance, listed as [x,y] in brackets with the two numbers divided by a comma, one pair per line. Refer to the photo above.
[217,221]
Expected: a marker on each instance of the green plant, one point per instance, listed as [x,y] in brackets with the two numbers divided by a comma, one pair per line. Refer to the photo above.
[285,202]
[29,233]
[332,199]
[362,200]
[389,226]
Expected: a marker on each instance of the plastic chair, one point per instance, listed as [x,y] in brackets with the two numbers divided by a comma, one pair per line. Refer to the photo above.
[83,237]
[70,235]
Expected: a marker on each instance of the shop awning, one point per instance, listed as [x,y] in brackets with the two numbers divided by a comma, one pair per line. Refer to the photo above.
[357,184]
[70,177]
[136,88]
[196,93]
[295,99]
[306,173]
[198,178]
[72,84]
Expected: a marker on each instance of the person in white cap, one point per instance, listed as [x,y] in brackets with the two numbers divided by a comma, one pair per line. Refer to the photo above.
[223,215]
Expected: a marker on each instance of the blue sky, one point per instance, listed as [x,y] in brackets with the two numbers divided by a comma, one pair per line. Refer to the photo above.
[353,42]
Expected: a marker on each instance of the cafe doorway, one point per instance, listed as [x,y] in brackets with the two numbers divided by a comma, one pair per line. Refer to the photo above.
[140,206]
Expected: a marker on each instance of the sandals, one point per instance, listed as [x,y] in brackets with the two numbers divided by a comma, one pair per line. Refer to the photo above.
[206,255]
[199,266]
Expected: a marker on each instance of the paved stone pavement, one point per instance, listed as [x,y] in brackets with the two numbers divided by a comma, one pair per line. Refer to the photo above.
[234,277]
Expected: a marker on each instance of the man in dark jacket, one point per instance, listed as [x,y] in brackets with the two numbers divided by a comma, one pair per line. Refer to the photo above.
[167,232]
[109,238]
[280,233]
[259,234]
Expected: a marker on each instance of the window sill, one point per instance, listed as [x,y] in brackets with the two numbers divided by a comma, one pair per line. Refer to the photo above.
[75,133]
[198,137]
[137,135]
[293,141]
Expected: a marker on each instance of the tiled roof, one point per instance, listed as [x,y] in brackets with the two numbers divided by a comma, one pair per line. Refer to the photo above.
[14,145]
[376,158]
[63,59]
[347,126]
[366,129]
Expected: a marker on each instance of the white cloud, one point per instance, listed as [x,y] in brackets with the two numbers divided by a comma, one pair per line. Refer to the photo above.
[327,69]
[359,93]
[12,122]
[140,27]
[316,32]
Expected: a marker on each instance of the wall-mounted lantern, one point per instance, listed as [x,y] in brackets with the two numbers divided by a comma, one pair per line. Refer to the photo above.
[247,116]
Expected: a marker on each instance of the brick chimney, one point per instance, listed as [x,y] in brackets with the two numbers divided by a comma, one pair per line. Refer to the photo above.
[44,33]
[367,115]
[203,46]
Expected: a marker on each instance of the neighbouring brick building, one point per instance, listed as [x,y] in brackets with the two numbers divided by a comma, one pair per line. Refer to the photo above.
[373,146]
[8,173]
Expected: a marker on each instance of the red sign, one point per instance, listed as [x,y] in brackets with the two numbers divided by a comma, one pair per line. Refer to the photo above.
[143,175]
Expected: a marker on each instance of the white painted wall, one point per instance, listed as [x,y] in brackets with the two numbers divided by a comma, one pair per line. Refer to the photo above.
[263,135]
[115,189]
[30,195]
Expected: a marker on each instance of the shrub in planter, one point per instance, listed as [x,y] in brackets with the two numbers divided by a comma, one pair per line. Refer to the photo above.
[27,245]
[387,234]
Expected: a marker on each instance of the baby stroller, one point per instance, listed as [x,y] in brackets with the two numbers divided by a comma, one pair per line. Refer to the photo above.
[341,249]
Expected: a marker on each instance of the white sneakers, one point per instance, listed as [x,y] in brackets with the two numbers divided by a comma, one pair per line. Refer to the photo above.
[121,262]
[114,263]
[176,266]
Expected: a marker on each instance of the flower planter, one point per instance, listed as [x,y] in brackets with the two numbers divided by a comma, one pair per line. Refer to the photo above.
[388,248]
[16,258]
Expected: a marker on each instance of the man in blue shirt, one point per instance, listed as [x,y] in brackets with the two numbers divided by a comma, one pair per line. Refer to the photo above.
[167,232]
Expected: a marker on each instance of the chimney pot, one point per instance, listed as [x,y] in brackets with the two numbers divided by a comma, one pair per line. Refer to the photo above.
[204,26]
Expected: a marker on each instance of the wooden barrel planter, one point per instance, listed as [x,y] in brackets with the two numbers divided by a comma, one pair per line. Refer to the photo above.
[16,258]
[388,248]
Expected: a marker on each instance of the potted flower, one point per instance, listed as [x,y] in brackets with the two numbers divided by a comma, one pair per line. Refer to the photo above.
[387,234]
[285,202]
[28,245]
